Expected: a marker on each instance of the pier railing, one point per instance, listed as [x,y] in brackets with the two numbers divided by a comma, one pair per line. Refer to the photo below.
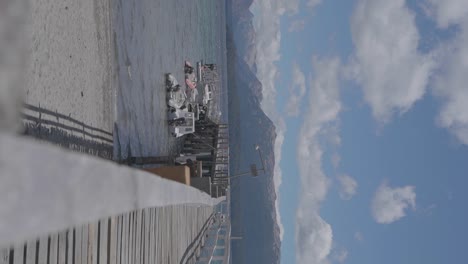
[59,207]
[153,235]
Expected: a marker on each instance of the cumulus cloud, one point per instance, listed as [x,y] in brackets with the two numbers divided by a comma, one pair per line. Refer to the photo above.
[348,187]
[451,87]
[313,235]
[386,62]
[394,74]
[449,12]
[389,204]
[314,243]
[297,25]
[450,83]
[297,90]
[268,39]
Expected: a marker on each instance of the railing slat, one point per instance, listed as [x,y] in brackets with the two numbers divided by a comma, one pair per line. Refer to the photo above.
[103,241]
[146,236]
[70,247]
[84,244]
[118,240]
[78,244]
[138,237]
[131,238]
[53,255]
[151,233]
[113,241]
[62,251]
[4,256]
[92,243]
[18,255]
[124,239]
[43,246]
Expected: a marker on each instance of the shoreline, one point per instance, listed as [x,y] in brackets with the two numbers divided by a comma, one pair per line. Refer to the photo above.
[70,77]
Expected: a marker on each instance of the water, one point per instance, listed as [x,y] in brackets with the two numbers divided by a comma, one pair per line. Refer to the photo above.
[153,38]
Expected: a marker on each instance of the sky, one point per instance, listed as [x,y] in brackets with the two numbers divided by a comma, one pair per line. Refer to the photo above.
[370,102]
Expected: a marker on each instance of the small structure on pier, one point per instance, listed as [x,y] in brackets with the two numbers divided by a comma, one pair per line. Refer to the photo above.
[208,152]
[205,152]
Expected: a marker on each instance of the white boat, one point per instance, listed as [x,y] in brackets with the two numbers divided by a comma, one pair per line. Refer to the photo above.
[176,95]
[207,94]
[181,122]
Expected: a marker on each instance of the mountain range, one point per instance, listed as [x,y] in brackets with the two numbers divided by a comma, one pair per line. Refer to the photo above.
[253,213]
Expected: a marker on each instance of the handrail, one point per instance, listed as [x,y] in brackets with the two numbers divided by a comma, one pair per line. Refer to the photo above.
[197,243]
[46,189]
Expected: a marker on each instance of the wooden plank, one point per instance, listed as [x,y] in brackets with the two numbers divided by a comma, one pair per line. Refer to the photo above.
[84,244]
[70,247]
[43,250]
[18,254]
[150,235]
[124,240]
[131,238]
[158,257]
[138,236]
[134,233]
[143,236]
[103,241]
[118,244]
[92,243]
[53,251]
[62,250]
[113,240]
[78,244]
[5,256]
[31,252]
[147,235]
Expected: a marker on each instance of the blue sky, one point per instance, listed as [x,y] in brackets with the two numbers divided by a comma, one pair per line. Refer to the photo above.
[370,99]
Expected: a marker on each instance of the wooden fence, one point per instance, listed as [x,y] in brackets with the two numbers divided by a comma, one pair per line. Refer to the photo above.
[154,235]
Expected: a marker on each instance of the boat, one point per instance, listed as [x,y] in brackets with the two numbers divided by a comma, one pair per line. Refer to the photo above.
[190,76]
[176,96]
[181,122]
[207,94]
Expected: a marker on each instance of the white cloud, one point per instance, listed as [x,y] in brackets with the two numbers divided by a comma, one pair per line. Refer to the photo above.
[348,187]
[268,39]
[389,204]
[278,174]
[313,235]
[341,255]
[450,12]
[298,90]
[450,83]
[358,236]
[297,25]
[394,74]
[313,3]
[314,242]
[386,63]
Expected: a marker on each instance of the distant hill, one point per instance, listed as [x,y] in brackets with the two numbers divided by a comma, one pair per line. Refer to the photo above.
[253,199]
